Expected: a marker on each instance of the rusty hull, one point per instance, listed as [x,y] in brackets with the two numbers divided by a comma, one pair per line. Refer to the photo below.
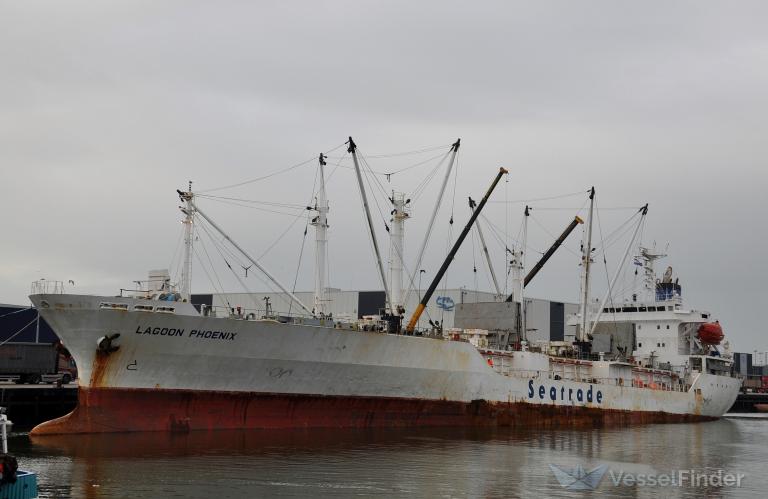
[129,410]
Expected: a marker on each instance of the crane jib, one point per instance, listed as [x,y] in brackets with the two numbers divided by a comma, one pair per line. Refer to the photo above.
[551,251]
[449,258]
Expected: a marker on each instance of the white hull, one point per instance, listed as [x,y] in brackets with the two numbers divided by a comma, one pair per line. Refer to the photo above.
[267,357]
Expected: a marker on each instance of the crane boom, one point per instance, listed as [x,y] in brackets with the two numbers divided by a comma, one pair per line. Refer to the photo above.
[551,251]
[448,259]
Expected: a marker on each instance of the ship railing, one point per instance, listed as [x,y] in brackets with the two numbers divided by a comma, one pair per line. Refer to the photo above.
[256,314]
[503,365]
[665,386]
[519,373]
[45,287]
[247,313]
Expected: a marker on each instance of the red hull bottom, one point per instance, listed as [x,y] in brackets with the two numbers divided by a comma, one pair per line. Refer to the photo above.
[103,410]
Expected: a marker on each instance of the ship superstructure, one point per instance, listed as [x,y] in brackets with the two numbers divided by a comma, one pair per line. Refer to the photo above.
[655,330]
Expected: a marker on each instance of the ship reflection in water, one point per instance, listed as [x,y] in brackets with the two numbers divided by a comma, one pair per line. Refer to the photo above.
[391,463]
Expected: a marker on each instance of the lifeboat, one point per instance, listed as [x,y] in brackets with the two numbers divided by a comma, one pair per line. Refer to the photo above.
[711,333]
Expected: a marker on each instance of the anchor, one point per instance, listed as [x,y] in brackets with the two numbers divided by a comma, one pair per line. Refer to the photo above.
[104,344]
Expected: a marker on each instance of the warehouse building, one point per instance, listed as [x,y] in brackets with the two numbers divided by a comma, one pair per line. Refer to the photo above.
[546,320]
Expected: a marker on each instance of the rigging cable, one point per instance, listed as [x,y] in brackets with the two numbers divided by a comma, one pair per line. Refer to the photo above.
[618,233]
[17,311]
[253,201]
[421,186]
[450,236]
[367,174]
[304,241]
[268,285]
[335,167]
[215,245]
[205,250]
[474,259]
[405,168]
[298,265]
[281,236]
[505,241]
[210,279]
[605,262]
[518,201]
[554,237]
[234,203]
[175,264]
[264,177]
[19,331]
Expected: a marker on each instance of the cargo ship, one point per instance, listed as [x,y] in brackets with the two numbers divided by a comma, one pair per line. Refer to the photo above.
[156,362]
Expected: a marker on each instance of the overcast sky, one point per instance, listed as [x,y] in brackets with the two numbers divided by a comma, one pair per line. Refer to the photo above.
[106,108]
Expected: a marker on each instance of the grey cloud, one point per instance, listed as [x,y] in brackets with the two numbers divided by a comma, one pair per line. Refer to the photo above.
[108,108]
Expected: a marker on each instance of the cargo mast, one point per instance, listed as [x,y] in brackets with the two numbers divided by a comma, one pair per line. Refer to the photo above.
[353,150]
[189,215]
[586,260]
[396,258]
[321,242]
[521,289]
[518,264]
[516,271]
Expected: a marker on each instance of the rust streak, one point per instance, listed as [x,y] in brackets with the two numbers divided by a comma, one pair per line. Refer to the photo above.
[100,365]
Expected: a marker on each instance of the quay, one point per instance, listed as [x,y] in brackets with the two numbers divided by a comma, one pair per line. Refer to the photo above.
[30,405]
[745,402]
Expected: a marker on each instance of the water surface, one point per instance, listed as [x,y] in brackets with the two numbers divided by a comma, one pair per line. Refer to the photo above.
[392,463]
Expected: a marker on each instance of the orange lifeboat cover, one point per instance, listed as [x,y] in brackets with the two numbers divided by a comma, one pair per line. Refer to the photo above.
[711,333]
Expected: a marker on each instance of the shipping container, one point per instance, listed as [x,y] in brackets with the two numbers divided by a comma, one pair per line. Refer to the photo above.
[30,351]
[36,362]
[760,359]
[742,364]
[754,383]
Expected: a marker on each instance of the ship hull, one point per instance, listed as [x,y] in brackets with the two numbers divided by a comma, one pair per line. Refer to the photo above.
[133,410]
[179,371]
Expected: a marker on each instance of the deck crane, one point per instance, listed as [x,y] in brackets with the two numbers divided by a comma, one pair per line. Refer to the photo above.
[551,251]
[451,254]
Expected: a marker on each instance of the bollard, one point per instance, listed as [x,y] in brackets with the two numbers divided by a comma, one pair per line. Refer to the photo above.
[4,422]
